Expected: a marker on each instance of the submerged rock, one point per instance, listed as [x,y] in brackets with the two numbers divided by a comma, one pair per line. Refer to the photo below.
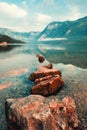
[5,85]
[39,113]
[17,72]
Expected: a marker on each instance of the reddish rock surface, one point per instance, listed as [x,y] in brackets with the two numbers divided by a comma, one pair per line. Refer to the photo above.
[81,103]
[49,66]
[42,79]
[47,80]
[48,85]
[42,72]
[41,58]
[39,113]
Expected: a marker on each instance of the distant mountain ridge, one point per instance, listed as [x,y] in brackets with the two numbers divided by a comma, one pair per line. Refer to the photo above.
[66,29]
[7,39]
[21,36]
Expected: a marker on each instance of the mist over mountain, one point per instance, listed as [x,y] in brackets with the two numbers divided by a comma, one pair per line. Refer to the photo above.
[66,29]
[21,36]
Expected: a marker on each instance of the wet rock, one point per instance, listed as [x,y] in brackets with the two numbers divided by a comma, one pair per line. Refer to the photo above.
[48,85]
[49,66]
[37,81]
[41,58]
[39,113]
[42,72]
[47,80]
[81,104]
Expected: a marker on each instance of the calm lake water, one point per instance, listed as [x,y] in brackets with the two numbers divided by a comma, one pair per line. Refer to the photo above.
[18,61]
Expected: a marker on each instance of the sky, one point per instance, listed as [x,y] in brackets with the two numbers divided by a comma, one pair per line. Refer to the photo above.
[35,15]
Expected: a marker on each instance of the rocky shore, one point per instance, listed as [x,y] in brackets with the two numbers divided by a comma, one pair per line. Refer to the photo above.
[14,84]
[36,112]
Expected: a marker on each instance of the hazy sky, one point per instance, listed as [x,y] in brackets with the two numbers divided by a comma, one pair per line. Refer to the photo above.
[34,15]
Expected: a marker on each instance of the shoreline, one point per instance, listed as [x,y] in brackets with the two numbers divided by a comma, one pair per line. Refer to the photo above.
[75,86]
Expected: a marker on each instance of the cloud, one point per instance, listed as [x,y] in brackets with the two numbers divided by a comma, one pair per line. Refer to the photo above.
[72,12]
[35,15]
[11,10]
[24,3]
[12,17]
[43,18]
[75,12]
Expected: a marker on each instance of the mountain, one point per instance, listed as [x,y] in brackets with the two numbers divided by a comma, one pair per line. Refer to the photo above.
[5,38]
[66,29]
[21,36]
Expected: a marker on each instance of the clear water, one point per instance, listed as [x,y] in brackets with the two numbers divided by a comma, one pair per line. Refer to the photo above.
[18,61]
[23,60]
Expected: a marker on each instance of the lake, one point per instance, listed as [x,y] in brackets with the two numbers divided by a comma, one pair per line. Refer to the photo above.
[19,60]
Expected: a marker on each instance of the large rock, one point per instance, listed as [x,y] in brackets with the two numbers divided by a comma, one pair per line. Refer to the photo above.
[47,85]
[39,113]
[81,103]
[42,72]
[47,80]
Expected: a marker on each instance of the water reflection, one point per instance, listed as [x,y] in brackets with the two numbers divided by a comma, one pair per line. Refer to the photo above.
[9,47]
[18,61]
[65,52]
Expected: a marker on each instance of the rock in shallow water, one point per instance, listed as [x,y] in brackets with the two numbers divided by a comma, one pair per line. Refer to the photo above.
[48,85]
[47,81]
[41,58]
[42,72]
[36,112]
